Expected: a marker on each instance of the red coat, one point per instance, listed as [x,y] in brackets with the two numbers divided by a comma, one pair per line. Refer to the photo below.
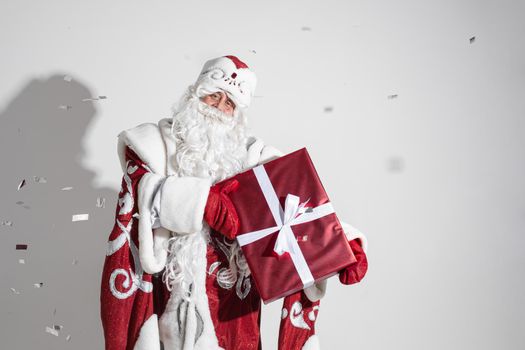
[132,301]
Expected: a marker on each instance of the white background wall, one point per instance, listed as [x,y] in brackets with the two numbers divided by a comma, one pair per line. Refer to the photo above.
[434,177]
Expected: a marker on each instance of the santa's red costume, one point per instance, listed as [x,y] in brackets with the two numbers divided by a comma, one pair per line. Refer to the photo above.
[174,275]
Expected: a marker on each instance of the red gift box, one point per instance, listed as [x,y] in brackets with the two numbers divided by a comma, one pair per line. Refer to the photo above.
[289,233]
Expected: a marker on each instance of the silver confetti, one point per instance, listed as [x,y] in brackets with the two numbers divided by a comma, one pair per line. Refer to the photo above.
[6,223]
[66,188]
[52,331]
[328,109]
[94,98]
[38,285]
[75,261]
[80,217]
[15,291]
[68,338]
[57,327]
[101,202]
[68,78]
[471,40]
[390,97]
[65,107]
[40,179]
[306,29]
[21,261]
[21,184]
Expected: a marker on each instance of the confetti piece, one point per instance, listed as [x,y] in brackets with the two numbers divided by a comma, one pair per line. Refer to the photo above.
[472,39]
[68,338]
[21,184]
[306,29]
[38,285]
[390,97]
[40,180]
[15,291]
[52,331]
[21,261]
[75,261]
[80,217]
[253,51]
[68,78]
[328,109]
[57,327]
[94,98]
[65,107]
[21,247]
[66,188]
[7,223]
[101,202]
[395,164]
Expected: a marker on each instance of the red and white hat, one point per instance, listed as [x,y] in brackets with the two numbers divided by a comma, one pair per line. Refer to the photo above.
[230,74]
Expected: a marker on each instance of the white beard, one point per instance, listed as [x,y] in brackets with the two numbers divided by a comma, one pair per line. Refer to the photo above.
[209,144]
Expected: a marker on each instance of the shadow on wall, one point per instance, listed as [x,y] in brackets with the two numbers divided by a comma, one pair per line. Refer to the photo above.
[41,133]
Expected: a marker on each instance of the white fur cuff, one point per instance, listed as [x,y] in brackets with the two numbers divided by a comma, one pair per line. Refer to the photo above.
[316,291]
[182,202]
[352,233]
[149,335]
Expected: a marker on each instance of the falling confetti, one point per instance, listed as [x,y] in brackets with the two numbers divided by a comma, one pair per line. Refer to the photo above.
[52,331]
[21,184]
[80,217]
[57,327]
[395,164]
[66,188]
[21,261]
[68,78]
[40,180]
[306,29]
[94,98]
[15,291]
[472,39]
[65,107]
[75,261]
[21,247]
[38,285]
[7,223]
[101,202]
[68,338]
[328,109]
[390,97]
[253,51]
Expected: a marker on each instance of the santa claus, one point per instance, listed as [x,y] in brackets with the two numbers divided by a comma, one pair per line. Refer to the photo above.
[174,276]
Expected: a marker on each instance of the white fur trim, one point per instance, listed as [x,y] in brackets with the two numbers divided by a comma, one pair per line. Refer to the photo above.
[182,202]
[149,335]
[312,343]
[353,233]
[145,140]
[170,142]
[259,153]
[152,243]
[316,291]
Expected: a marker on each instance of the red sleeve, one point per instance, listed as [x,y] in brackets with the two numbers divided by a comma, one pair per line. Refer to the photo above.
[126,299]
[355,272]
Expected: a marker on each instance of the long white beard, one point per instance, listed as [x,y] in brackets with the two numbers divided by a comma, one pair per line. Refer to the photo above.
[209,144]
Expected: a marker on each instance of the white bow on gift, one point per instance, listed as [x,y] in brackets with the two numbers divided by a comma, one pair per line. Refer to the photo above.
[295,213]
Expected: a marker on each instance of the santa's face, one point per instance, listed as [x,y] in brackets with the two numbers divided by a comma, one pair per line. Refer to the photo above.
[221,101]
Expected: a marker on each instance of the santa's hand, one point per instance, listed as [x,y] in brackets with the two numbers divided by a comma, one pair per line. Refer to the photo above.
[220,212]
[355,272]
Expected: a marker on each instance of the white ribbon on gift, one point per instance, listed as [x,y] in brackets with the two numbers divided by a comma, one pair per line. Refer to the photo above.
[294,214]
